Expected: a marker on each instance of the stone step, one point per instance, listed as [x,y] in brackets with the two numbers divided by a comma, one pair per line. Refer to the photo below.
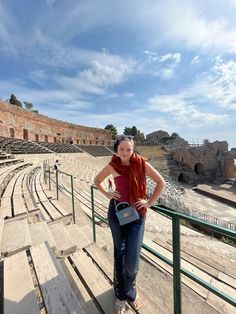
[163,266]
[19,291]
[40,232]
[19,206]
[56,291]
[106,264]
[214,301]
[99,287]
[192,256]
[28,197]
[65,244]
[219,304]
[51,210]
[81,235]
[16,237]
[79,289]
[210,258]
[103,237]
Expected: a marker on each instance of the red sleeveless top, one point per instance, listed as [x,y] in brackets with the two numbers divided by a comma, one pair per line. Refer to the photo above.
[122,184]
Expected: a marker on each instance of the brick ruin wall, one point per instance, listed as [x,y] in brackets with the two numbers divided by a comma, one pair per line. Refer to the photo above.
[211,160]
[20,123]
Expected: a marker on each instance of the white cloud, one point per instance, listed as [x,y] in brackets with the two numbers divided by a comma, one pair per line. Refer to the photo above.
[46,97]
[182,109]
[232,49]
[107,70]
[176,57]
[103,72]
[193,24]
[129,95]
[202,25]
[162,66]
[195,60]
[224,87]
[7,27]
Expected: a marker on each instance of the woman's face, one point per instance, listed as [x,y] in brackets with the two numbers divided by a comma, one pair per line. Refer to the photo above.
[125,150]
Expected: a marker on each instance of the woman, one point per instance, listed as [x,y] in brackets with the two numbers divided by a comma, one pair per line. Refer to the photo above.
[129,172]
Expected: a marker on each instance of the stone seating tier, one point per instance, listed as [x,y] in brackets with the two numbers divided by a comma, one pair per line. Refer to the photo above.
[18,146]
[61,147]
[95,150]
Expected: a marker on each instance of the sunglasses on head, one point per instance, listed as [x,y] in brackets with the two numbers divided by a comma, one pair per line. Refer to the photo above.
[123,137]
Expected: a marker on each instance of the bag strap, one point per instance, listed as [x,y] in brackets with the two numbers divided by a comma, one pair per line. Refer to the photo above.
[116,205]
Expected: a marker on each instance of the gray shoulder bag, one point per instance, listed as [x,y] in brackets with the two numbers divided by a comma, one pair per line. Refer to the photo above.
[125,213]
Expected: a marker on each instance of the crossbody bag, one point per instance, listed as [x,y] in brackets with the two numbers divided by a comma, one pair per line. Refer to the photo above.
[125,213]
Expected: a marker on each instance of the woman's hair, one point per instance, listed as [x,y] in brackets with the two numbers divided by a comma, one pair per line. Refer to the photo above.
[121,138]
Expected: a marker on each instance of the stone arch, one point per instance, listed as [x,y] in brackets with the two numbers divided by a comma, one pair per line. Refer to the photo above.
[36,137]
[198,168]
[25,134]
[12,133]
[181,177]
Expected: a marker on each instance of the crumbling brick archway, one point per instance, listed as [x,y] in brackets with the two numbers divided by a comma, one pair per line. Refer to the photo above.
[198,168]
[12,133]
[25,134]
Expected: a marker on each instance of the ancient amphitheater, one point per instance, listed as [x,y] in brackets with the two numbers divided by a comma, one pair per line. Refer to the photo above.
[49,260]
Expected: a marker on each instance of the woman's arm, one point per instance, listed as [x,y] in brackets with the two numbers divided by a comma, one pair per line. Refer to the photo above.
[98,181]
[158,179]
[160,184]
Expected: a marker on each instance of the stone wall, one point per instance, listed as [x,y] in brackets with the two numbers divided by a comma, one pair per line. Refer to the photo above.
[20,123]
[211,160]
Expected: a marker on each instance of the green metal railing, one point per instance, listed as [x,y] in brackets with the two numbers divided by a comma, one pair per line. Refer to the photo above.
[176,264]
[47,174]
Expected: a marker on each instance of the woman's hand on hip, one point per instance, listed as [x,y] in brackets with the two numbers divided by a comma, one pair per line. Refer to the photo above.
[141,203]
[114,194]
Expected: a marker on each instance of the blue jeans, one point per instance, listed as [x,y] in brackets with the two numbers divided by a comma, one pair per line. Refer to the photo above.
[127,242]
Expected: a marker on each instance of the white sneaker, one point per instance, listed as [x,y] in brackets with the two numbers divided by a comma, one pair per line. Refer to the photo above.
[120,306]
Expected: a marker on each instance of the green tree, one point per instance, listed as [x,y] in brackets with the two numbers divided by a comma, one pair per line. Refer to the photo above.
[138,136]
[130,131]
[14,101]
[127,131]
[113,130]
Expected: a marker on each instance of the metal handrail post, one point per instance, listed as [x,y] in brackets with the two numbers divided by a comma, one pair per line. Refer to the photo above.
[44,172]
[72,195]
[93,216]
[49,178]
[176,264]
[57,184]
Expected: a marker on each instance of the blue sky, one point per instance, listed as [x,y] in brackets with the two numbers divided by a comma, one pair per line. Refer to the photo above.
[159,65]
